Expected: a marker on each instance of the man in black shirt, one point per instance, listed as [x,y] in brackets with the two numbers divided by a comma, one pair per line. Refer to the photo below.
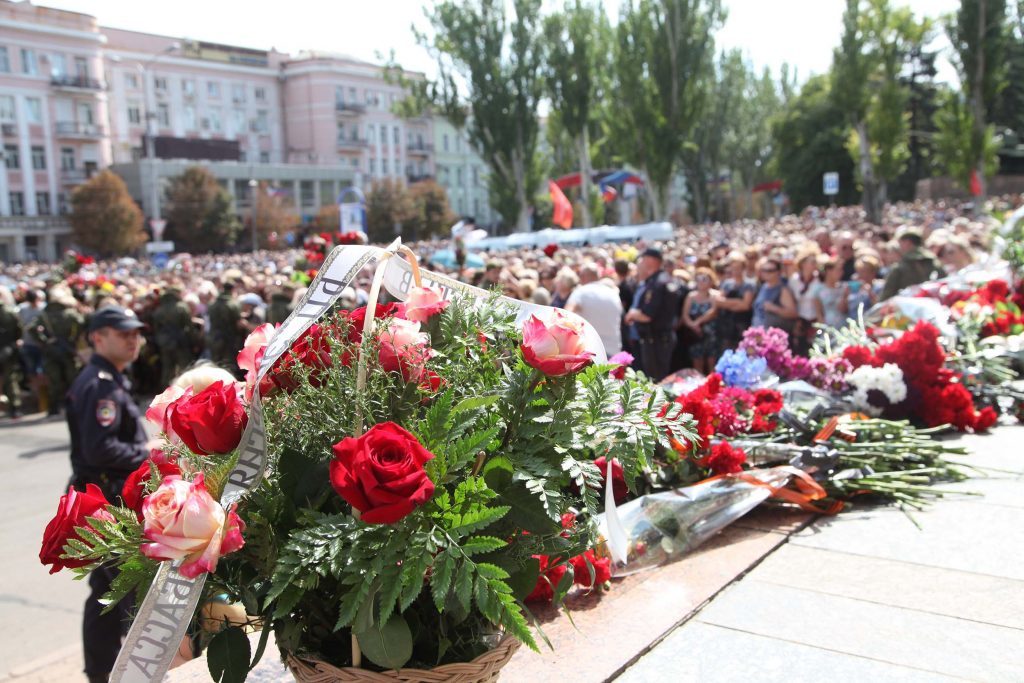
[652,316]
[108,442]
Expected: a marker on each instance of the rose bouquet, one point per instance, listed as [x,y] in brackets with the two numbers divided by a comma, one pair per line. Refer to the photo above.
[420,457]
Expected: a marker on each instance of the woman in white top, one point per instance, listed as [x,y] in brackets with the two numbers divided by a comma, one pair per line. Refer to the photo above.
[805,287]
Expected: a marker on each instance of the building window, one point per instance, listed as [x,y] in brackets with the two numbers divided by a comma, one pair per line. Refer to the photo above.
[85,113]
[215,121]
[384,166]
[43,203]
[339,95]
[131,81]
[134,113]
[398,136]
[28,62]
[260,94]
[373,165]
[62,204]
[12,160]
[58,65]
[189,114]
[307,193]
[81,67]
[34,106]
[262,121]
[67,158]
[188,87]
[354,162]
[160,83]
[446,142]
[264,157]
[5,61]
[17,203]
[38,158]
[341,132]
[458,143]
[163,115]
[213,89]
[458,179]
[238,92]
[371,133]
[7,109]
[239,116]
[476,176]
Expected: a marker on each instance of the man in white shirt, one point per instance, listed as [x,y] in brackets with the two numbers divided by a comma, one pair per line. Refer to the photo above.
[597,301]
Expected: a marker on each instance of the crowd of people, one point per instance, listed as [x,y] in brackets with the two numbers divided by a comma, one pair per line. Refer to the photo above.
[671,305]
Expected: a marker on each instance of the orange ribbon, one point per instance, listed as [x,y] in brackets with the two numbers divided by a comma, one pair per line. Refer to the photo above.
[807,490]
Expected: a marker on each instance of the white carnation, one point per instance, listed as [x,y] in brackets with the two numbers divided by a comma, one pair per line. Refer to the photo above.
[888,379]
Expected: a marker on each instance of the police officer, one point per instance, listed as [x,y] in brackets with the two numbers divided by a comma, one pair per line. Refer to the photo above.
[108,442]
[652,316]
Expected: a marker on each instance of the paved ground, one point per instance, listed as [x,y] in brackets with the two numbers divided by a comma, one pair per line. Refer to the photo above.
[867,596]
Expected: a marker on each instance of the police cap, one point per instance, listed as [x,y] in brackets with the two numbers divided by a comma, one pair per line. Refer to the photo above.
[116,317]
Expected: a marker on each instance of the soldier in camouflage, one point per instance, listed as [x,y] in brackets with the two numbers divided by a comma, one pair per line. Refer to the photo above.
[57,331]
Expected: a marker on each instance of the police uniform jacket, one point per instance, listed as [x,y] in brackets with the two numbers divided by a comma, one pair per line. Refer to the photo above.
[108,439]
[658,298]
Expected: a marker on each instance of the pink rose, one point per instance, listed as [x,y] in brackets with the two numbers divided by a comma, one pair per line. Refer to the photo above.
[160,408]
[251,355]
[183,521]
[555,348]
[423,304]
[403,348]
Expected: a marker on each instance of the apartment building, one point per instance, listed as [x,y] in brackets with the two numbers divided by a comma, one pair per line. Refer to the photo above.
[76,97]
[462,173]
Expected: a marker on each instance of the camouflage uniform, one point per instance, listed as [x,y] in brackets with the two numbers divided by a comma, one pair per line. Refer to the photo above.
[57,330]
[225,338]
[173,332]
[10,361]
[280,308]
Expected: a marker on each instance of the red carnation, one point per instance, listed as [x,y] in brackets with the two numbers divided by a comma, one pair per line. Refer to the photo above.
[725,459]
[858,356]
[581,573]
[550,249]
[986,418]
[549,577]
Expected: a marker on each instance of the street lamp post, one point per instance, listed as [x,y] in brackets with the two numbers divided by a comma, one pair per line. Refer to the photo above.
[254,196]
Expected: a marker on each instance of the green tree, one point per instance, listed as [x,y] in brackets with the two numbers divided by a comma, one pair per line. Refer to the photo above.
[104,218]
[865,82]
[979,33]
[200,214]
[748,140]
[810,140]
[432,215]
[389,210]
[954,140]
[576,40]
[661,56]
[490,80]
[275,216]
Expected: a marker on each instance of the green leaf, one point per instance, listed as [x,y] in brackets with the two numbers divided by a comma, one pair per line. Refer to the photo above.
[527,510]
[474,402]
[441,579]
[391,586]
[498,473]
[491,571]
[388,646]
[481,544]
[464,585]
[228,656]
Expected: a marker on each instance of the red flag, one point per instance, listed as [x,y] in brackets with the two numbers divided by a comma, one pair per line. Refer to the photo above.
[563,209]
[975,183]
[609,193]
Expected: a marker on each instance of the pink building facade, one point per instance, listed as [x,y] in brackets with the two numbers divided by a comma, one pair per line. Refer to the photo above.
[76,97]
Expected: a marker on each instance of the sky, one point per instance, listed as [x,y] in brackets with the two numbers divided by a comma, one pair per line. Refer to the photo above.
[801,33]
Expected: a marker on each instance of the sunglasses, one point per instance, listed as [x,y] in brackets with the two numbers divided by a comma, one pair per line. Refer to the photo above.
[769,270]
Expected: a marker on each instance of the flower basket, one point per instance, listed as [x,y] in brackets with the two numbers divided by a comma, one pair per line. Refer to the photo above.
[484,669]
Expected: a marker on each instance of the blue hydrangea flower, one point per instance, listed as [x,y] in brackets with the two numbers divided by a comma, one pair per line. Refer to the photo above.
[740,370]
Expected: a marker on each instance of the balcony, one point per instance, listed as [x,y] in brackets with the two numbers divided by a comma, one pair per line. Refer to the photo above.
[68,82]
[419,148]
[414,178]
[73,129]
[349,109]
[348,143]
[73,176]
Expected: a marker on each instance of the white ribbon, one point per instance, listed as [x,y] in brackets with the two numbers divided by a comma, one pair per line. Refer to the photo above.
[164,615]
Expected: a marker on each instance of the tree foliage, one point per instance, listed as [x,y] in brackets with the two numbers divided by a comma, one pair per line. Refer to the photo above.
[662,52]
[200,214]
[432,214]
[275,215]
[104,218]
[389,209]
[490,80]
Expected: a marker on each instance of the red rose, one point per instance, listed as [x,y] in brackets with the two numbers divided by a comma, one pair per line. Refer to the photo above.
[550,249]
[404,349]
[134,489]
[313,350]
[581,574]
[211,421]
[357,318]
[381,473]
[431,382]
[549,577]
[74,510]
[725,459]
[619,488]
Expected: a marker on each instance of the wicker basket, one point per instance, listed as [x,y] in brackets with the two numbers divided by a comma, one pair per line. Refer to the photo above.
[484,669]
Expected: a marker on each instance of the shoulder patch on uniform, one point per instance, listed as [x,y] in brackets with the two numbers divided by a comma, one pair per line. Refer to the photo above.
[106,412]
[103,374]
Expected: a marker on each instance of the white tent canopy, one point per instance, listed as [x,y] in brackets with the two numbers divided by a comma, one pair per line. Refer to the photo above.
[599,235]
